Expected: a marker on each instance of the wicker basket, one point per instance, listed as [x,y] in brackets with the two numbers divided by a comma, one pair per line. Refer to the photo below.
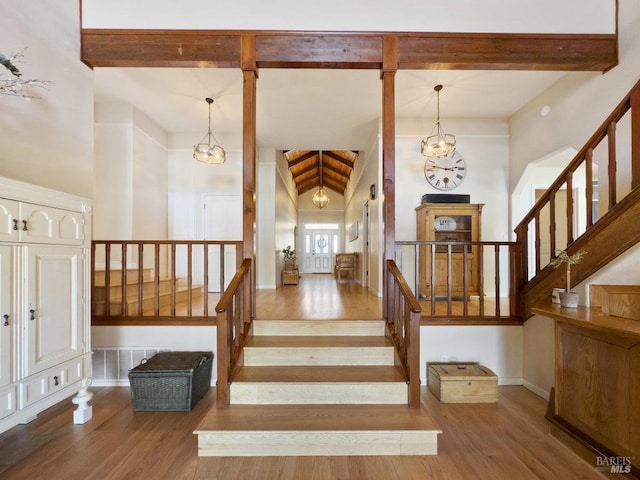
[171,381]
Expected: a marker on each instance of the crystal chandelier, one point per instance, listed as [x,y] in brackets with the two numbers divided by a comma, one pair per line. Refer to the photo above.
[438,143]
[206,152]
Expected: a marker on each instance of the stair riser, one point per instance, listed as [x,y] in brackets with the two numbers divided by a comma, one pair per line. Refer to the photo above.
[325,443]
[317,356]
[148,303]
[318,328]
[116,275]
[148,288]
[313,393]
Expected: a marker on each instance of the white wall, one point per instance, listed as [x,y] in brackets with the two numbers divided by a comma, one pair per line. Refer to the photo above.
[286,216]
[545,16]
[47,141]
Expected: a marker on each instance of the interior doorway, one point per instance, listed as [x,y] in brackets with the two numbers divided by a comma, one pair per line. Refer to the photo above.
[321,243]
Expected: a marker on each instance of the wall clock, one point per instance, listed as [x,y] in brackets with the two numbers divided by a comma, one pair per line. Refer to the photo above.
[446,172]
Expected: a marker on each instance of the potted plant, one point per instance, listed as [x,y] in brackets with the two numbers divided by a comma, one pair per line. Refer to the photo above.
[289,258]
[568,298]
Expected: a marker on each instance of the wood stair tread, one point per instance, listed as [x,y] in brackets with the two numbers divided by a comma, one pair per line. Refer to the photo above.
[317,417]
[325,374]
[317,342]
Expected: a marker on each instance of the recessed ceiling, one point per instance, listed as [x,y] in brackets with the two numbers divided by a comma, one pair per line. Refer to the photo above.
[318,168]
[313,109]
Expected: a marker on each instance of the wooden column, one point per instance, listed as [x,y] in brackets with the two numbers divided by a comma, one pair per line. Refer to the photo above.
[388,75]
[250,76]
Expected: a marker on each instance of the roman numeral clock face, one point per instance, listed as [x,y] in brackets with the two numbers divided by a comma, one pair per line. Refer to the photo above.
[447,172]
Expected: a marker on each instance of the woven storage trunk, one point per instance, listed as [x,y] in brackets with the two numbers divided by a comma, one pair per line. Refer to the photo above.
[463,383]
[171,381]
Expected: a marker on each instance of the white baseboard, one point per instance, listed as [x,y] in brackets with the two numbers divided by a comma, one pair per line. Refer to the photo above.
[509,380]
[537,390]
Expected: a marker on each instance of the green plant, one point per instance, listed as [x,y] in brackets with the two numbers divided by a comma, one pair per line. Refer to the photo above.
[289,253]
[564,257]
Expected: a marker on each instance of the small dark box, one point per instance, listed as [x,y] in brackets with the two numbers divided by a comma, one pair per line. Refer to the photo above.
[446,198]
[170,381]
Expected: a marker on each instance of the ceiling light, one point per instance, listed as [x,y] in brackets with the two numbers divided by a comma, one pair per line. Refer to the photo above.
[206,152]
[438,143]
[321,198]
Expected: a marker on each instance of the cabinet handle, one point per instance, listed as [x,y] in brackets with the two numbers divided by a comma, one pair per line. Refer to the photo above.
[6,320]
[32,315]
[55,381]
[15,224]
[24,225]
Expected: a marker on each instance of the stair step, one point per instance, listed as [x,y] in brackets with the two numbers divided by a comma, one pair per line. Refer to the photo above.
[115,290]
[319,385]
[148,302]
[116,275]
[318,350]
[308,430]
[318,327]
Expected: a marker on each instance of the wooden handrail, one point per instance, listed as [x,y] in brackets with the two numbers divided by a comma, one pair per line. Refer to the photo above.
[630,103]
[233,329]
[403,329]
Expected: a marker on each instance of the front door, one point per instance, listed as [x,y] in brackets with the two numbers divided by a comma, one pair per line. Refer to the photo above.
[320,247]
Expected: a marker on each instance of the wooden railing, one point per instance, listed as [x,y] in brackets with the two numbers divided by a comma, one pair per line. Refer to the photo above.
[234,328]
[470,282]
[403,329]
[619,164]
[162,283]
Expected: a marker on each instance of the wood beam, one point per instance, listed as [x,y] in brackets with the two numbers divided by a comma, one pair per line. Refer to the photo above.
[338,158]
[222,48]
[302,158]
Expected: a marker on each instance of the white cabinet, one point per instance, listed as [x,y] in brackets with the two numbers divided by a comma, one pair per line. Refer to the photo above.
[54,328]
[44,299]
[7,317]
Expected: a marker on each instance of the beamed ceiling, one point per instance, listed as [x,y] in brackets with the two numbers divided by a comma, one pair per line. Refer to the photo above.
[314,168]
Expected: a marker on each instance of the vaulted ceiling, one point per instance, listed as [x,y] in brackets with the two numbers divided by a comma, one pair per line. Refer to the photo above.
[321,168]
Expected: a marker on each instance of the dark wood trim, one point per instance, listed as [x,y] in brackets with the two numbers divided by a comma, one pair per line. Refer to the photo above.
[152,321]
[427,320]
[296,49]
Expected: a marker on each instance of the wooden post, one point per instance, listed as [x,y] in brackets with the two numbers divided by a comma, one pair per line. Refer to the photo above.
[388,74]
[250,76]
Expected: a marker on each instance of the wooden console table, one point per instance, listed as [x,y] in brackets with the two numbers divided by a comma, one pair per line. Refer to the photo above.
[594,407]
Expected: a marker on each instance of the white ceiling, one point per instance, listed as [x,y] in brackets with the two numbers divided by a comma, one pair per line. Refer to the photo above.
[313,109]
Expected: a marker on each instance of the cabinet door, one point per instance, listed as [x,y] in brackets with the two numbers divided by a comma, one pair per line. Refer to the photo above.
[54,313]
[40,224]
[8,220]
[7,315]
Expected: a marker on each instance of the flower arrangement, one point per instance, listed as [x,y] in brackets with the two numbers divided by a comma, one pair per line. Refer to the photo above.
[564,257]
[289,253]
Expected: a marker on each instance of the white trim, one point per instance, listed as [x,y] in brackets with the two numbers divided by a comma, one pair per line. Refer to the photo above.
[537,390]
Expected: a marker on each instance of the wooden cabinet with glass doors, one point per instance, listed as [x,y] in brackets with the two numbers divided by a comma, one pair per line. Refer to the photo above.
[448,222]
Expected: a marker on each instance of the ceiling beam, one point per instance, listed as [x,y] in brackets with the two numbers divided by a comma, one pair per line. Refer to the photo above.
[221,48]
[302,158]
[338,158]
[334,174]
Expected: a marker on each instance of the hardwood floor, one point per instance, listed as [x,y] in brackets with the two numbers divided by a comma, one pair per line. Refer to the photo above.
[318,296]
[507,440]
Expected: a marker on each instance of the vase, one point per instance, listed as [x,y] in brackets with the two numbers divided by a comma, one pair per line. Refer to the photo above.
[569,299]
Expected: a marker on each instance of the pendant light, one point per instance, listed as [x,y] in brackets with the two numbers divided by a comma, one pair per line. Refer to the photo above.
[438,143]
[321,198]
[206,152]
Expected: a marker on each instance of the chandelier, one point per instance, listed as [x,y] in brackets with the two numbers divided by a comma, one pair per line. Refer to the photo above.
[438,143]
[321,198]
[206,152]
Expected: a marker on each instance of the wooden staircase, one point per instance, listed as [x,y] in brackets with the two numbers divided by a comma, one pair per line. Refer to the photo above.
[133,298]
[318,387]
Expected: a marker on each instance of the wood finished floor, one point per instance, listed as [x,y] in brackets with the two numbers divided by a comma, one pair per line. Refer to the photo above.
[508,440]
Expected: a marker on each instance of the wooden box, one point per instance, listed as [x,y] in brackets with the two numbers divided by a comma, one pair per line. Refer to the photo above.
[290,277]
[462,383]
